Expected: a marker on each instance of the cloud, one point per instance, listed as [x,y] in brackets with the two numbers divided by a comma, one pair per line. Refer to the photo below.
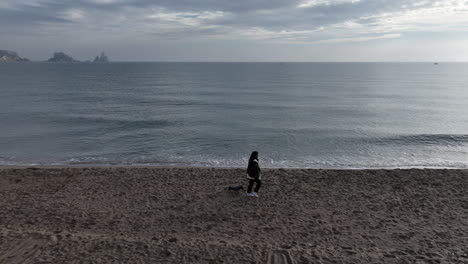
[18,4]
[312,3]
[104,2]
[359,39]
[190,19]
[313,21]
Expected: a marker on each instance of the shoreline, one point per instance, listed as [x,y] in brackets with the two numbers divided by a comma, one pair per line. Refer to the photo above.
[43,166]
[185,215]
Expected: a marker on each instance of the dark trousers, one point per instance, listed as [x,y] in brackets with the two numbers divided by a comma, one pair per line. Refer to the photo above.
[257,187]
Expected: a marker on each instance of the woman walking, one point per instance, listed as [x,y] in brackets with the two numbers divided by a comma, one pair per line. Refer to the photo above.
[254,175]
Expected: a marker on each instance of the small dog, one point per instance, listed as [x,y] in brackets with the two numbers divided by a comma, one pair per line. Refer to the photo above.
[235,188]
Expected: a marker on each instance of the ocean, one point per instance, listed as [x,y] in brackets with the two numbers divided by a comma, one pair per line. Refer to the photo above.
[297,115]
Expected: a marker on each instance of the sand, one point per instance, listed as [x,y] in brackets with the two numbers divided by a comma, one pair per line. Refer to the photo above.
[184,215]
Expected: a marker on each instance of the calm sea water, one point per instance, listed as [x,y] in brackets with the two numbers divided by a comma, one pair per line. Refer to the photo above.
[318,115]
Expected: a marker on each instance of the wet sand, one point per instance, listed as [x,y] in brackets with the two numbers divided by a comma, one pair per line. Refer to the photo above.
[184,215]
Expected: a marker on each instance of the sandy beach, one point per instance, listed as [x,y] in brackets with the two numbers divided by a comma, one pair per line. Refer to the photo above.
[184,215]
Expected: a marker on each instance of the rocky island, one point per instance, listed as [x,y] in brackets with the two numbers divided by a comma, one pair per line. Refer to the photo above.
[10,56]
[61,57]
[102,59]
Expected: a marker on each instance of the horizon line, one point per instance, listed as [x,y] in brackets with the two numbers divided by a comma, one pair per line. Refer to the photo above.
[214,61]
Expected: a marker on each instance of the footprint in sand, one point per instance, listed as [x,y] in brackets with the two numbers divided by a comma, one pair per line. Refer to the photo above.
[280,257]
[24,251]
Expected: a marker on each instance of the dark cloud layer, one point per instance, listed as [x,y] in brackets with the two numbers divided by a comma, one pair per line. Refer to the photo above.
[249,13]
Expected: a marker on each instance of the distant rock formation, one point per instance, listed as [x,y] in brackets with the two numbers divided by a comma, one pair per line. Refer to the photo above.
[8,56]
[102,58]
[61,57]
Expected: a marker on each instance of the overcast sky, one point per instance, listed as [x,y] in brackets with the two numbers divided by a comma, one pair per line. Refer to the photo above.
[238,30]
